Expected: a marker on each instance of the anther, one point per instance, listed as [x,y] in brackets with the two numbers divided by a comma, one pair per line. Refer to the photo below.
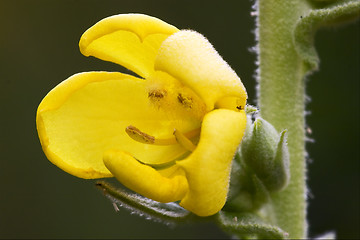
[157,94]
[183,139]
[138,135]
[187,102]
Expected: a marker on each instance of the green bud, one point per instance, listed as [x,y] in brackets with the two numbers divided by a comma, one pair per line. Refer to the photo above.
[265,152]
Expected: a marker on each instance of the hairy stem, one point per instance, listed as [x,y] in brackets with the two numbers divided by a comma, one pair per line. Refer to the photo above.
[281,99]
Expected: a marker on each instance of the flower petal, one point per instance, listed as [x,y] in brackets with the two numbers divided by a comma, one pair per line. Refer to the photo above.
[208,167]
[189,57]
[131,40]
[144,179]
[87,114]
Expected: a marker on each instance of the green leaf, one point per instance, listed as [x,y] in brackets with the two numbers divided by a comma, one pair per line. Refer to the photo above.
[341,12]
[249,225]
[168,213]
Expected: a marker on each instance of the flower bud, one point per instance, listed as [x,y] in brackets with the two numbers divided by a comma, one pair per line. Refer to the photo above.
[265,152]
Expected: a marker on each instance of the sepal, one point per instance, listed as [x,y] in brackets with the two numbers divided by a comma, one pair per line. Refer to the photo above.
[247,192]
[168,213]
[282,161]
[261,195]
[239,199]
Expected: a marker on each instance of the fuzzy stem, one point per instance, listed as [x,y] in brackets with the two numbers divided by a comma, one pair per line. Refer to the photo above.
[281,99]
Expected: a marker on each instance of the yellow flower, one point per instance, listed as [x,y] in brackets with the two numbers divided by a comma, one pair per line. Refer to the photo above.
[169,135]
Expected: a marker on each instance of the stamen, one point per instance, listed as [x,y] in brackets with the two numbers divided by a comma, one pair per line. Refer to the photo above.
[168,164]
[184,141]
[180,138]
[142,137]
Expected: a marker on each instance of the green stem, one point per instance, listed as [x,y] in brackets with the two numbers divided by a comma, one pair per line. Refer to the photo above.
[281,99]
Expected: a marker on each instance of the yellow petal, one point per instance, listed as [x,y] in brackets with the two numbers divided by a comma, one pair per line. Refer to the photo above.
[131,40]
[208,168]
[88,113]
[189,57]
[144,179]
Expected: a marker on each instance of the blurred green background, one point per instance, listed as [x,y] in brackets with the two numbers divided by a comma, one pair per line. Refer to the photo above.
[39,49]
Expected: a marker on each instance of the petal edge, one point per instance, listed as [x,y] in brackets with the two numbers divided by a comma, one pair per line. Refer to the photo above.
[131,40]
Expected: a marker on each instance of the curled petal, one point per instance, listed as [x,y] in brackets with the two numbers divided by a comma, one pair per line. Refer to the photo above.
[208,168]
[131,40]
[88,113]
[189,57]
[144,179]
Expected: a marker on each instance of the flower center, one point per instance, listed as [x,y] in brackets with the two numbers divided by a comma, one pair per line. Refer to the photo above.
[167,94]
